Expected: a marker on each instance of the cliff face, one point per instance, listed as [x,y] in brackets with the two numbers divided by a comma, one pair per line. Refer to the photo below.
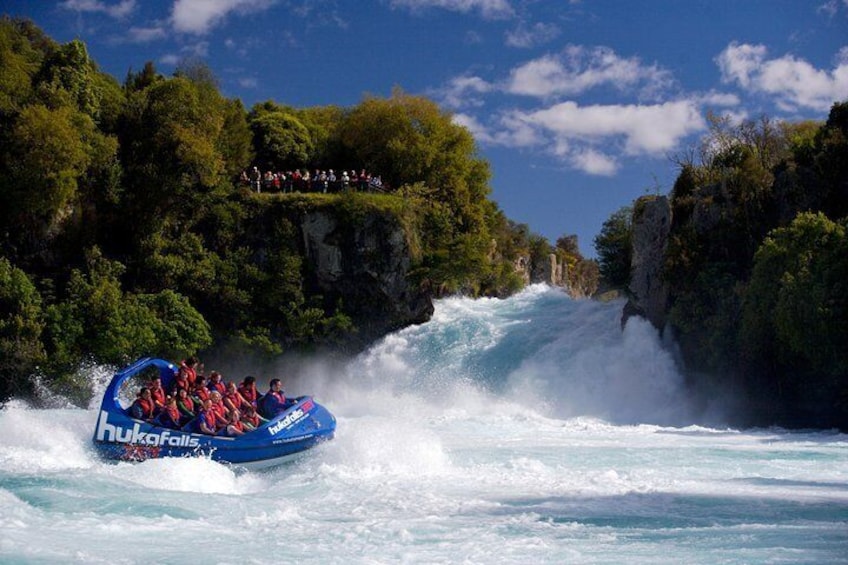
[650,230]
[365,265]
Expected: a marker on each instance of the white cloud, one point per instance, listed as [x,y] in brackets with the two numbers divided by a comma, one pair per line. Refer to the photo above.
[169,59]
[119,10]
[593,138]
[200,16]
[145,34]
[493,9]
[463,91]
[724,99]
[478,130]
[792,82]
[645,129]
[832,7]
[248,82]
[538,34]
[593,162]
[579,69]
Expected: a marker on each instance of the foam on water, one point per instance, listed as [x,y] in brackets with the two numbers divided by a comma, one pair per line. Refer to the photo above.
[522,430]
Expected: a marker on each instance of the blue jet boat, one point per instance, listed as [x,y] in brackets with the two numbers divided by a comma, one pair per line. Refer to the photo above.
[117,435]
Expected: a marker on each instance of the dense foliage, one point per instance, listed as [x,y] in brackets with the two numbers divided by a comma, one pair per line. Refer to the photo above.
[125,229]
[757,262]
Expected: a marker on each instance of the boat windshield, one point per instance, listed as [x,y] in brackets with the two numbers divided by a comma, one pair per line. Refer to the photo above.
[129,388]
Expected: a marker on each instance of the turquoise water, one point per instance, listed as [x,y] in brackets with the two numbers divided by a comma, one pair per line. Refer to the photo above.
[527,430]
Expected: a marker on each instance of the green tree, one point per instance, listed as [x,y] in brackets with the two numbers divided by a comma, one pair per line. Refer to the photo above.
[613,245]
[21,326]
[280,139]
[98,320]
[46,153]
[796,310]
[22,49]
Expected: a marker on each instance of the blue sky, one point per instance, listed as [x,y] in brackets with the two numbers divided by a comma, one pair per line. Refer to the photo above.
[577,105]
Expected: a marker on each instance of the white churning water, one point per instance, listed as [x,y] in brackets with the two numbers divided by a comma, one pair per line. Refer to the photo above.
[526,430]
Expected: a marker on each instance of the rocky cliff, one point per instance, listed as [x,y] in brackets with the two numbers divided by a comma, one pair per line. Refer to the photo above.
[650,229]
[366,265]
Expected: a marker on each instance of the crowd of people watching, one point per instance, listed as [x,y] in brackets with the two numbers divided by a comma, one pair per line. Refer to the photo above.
[195,403]
[302,181]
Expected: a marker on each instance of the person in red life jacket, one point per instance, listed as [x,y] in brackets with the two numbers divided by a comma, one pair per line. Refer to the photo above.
[142,408]
[251,419]
[180,383]
[248,391]
[185,405]
[218,407]
[188,370]
[234,426]
[274,400]
[216,383]
[169,417]
[200,392]
[207,421]
[233,400]
[157,393]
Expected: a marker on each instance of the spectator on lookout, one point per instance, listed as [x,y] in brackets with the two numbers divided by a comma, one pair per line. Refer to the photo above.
[274,400]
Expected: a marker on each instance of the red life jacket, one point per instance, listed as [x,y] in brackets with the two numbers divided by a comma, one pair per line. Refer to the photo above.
[249,394]
[219,386]
[186,404]
[146,407]
[210,419]
[219,410]
[181,382]
[158,395]
[234,398]
[202,393]
[189,373]
[173,413]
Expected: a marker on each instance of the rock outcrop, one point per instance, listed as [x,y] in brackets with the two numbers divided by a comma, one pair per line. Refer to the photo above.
[364,265]
[650,230]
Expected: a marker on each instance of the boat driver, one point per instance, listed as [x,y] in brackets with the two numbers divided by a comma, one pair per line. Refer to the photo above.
[274,401]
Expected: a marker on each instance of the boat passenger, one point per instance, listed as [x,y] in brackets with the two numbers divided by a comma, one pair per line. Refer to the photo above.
[157,393]
[200,392]
[207,420]
[142,408]
[251,419]
[233,400]
[186,405]
[274,400]
[248,391]
[188,370]
[216,382]
[169,417]
[234,426]
[218,407]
